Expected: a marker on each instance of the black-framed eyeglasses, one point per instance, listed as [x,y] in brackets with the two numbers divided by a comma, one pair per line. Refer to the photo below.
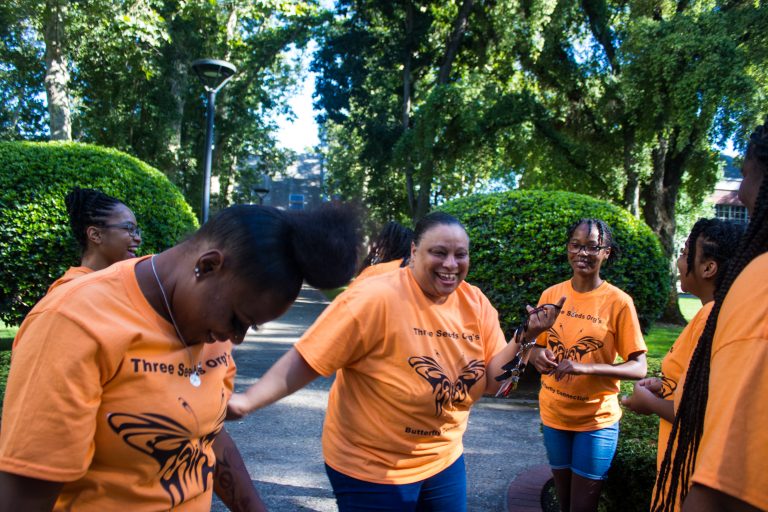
[133,230]
[591,250]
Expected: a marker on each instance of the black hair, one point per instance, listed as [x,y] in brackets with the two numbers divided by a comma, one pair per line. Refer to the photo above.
[719,242]
[688,427]
[604,235]
[88,207]
[434,219]
[392,243]
[278,250]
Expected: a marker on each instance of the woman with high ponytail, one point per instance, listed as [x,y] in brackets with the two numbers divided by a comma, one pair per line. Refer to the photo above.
[716,455]
[125,373]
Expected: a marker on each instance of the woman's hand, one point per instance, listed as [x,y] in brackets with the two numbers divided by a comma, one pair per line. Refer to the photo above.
[653,384]
[568,368]
[543,360]
[238,406]
[542,318]
[643,399]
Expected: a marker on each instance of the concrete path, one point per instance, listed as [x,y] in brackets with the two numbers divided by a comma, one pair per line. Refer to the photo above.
[281,443]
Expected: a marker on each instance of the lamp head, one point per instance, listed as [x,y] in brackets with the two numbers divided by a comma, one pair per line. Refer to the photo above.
[213,73]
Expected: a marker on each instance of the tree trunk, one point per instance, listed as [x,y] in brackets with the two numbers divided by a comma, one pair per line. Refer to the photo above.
[632,188]
[56,72]
[178,88]
[406,110]
[660,196]
[426,172]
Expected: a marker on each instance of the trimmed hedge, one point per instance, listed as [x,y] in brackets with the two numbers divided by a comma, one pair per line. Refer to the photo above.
[36,244]
[518,249]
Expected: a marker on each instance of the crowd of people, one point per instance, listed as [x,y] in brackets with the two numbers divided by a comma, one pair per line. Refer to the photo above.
[123,374]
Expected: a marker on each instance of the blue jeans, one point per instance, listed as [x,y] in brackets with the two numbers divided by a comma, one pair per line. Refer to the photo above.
[588,454]
[443,492]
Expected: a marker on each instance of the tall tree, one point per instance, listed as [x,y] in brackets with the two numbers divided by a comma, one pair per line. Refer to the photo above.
[57,71]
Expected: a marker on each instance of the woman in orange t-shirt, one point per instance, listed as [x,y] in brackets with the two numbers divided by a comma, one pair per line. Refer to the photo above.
[719,435]
[411,350]
[105,229]
[124,374]
[580,379]
[702,263]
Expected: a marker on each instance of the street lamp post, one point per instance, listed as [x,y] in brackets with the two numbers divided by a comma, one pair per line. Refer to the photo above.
[261,192]
[213,74]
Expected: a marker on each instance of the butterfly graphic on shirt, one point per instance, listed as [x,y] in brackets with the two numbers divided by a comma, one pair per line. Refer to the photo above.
[446,391]
[668,387]
[575,352]
[181,453]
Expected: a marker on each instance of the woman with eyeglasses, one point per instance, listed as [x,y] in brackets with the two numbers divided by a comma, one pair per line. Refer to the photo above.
[580,379]
[119,381]
[105,229]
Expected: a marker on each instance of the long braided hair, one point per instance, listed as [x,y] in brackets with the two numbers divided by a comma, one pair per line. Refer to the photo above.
[719,242]
[88,207]
[680,456]
[392,243]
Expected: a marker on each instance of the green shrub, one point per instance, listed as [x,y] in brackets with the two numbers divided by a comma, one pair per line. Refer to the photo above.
[36,245]
[518,249]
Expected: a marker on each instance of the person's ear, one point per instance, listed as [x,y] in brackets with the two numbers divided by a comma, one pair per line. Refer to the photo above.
[93,234]
[413,251]
[209,263]
[709,269]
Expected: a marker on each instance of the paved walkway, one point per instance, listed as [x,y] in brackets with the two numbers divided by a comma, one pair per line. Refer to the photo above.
[281,443]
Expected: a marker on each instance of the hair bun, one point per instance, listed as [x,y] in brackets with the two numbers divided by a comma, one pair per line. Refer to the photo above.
[326,242]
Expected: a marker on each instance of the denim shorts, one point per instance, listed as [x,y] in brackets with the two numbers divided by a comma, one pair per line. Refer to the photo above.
[588,454]
[443,492]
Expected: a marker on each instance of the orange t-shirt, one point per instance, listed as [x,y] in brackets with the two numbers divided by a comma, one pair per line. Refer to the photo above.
[592,327]
[103,381]
[673,368]
[70,274]
[734,447]
[407,372]
[376,270]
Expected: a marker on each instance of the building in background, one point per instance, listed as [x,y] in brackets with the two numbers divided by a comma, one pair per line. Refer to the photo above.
[725,196]
[299,187]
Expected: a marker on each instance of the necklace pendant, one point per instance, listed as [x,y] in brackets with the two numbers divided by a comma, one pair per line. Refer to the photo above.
[194,379]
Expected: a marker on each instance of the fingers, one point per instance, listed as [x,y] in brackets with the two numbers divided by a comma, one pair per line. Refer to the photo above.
[560,303]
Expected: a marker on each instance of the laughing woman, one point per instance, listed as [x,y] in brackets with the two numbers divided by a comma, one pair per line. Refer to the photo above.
[580,380]
[105,229]
[412,350]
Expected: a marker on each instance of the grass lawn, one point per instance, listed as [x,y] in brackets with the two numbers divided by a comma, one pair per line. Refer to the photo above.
[689,306]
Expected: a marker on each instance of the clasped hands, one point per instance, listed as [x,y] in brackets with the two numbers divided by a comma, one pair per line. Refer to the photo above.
[644,394]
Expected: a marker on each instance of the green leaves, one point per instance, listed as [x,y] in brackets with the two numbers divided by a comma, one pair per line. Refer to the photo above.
[518,249]
[36,245]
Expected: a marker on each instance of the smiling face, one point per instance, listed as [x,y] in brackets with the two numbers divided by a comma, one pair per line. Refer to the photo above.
[115,243]
[440,261]
[582,263]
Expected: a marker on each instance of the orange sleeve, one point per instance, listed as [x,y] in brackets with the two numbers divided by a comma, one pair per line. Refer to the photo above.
[629,336]
[55,384]
[734,446]
[337,338]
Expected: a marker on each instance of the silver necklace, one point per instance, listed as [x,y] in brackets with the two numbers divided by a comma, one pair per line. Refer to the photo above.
[194,378]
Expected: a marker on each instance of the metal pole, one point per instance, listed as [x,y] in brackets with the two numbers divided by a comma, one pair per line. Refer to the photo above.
[208,155]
